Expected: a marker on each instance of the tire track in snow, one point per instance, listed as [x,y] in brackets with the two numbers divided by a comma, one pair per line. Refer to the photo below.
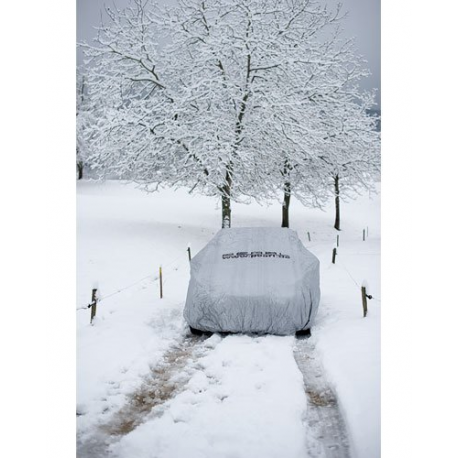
[165,381]
[326,431]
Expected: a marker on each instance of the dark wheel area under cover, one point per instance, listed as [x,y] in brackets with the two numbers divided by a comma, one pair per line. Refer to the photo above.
[303,333]
[196,332]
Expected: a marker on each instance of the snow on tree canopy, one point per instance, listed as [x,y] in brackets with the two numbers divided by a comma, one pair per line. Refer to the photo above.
[253,280]
[246,98]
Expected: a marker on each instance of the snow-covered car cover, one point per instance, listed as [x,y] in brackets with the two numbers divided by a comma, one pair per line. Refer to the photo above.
[253,280]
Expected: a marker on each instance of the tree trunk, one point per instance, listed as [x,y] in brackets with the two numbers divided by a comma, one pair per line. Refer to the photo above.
[226,202]
[337,200]
[226,207]
[285,206]
[79,165]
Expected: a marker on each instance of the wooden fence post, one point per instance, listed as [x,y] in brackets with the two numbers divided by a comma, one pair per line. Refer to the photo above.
[160,281]
[337,240]
[364,297]
[308,235]
[189,253]
[93,304]
[334,252]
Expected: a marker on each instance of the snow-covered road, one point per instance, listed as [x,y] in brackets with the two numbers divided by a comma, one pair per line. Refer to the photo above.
[233,396]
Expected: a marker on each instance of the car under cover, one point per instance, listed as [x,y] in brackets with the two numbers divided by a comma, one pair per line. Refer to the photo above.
[253,280]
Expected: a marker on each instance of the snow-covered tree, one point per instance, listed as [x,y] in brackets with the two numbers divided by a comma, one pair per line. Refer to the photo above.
[326,101]
[351,154]
[229,105]
[87,124]
[81,150]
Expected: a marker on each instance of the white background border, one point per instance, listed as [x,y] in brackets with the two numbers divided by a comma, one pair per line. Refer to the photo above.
[38,229]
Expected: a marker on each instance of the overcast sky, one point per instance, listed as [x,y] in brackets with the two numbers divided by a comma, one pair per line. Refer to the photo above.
[363,23]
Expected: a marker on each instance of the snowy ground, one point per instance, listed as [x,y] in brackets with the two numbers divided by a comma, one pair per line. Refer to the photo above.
[236,396]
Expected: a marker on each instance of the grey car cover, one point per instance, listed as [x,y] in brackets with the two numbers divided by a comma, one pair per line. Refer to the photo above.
[253,280]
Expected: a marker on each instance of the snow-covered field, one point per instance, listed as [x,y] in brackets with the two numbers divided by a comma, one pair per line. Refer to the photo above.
[236,396]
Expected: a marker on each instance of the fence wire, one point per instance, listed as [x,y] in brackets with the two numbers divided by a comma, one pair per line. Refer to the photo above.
[151,276]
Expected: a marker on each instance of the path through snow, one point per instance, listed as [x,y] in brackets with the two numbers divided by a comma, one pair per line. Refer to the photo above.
[238,396]
[245,398]
[326,431]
